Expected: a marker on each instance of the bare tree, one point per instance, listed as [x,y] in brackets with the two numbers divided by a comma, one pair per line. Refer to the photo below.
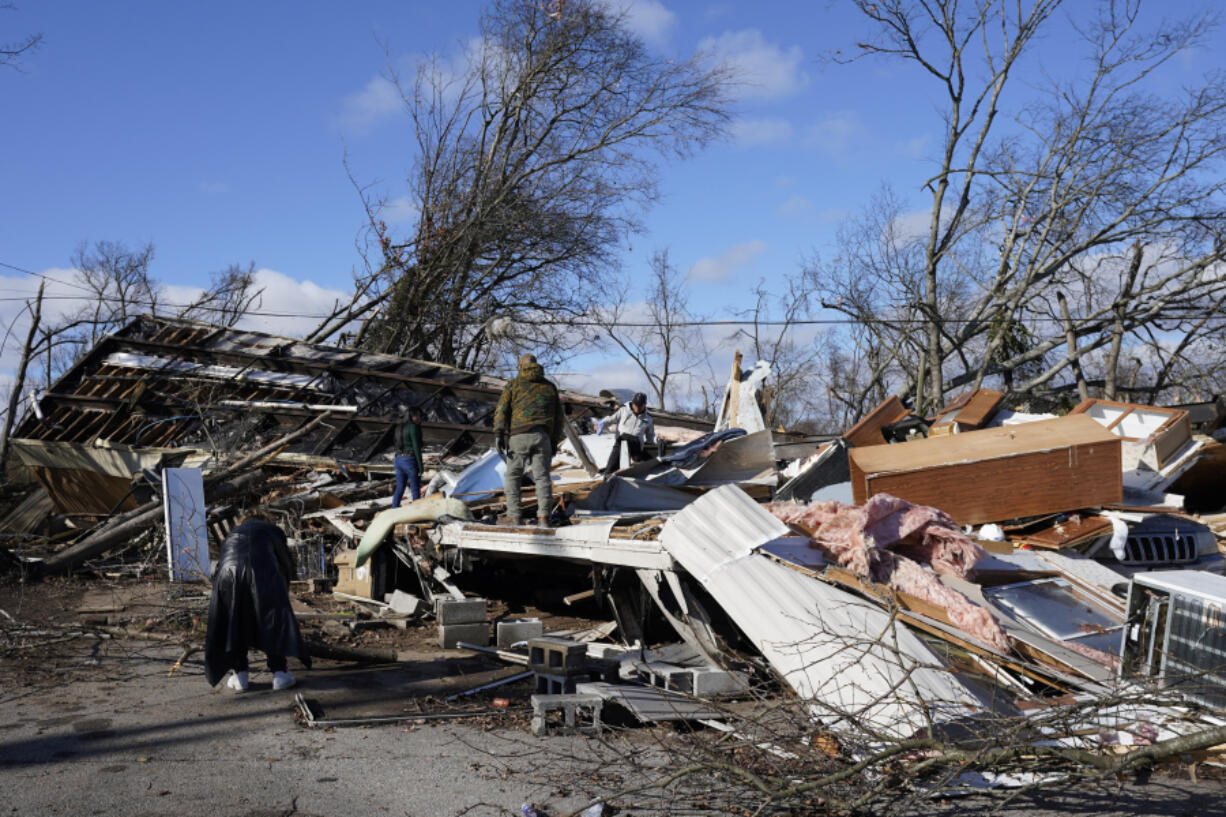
[116,285]
[658,333]
[534,160]
[232,293]
[27,351]
[11,51]
[1097,173]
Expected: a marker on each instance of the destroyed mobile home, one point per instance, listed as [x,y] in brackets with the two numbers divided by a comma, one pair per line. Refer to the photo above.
[912,577]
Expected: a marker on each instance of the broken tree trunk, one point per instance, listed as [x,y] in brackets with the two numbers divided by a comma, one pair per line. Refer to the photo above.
[579,447]
[121,528]
[19,384]
[252,460]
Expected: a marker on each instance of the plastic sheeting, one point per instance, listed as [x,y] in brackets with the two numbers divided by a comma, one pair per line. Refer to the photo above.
[743,411]
[622,496]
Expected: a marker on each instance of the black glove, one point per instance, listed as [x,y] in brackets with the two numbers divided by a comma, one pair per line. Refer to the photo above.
[500,444]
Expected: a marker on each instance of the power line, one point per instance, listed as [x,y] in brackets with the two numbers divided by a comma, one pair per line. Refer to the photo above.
[588,323]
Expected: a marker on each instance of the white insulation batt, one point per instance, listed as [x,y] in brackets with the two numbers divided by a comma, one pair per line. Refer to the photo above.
[832,647]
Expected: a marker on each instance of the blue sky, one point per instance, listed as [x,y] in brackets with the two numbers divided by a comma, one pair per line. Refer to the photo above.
[217,131]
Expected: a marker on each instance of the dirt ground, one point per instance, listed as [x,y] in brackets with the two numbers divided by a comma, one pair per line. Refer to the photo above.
[90,695]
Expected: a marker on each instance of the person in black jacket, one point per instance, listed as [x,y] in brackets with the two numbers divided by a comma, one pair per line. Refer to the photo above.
[250,608]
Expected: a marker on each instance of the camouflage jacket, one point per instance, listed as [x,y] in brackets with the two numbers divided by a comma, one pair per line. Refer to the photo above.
[530,401]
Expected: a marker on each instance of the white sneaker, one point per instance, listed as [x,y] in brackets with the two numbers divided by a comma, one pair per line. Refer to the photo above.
[237,681]
[282,680]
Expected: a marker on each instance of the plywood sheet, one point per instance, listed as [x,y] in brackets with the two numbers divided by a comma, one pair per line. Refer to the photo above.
[967,412]
[1167,430]
[1065,533]
[867,432]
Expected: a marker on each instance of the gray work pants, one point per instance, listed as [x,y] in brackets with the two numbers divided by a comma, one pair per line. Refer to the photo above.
[534,450]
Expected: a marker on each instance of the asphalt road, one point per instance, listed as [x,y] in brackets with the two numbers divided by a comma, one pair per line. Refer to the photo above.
[103,730]
[136,742]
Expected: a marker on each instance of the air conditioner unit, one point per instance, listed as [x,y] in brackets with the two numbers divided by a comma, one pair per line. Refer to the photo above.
[1175,632]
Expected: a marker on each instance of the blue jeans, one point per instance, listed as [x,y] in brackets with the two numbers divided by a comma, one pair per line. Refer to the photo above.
[406,469]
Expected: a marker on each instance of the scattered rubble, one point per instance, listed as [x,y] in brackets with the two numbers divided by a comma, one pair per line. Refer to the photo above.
[909,576]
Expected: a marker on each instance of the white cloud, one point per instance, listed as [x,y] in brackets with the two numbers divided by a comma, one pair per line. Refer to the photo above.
[913,148]
[722,267]
[647,18]
[836,134]
[291,307]
[620,373]
[399,210]
[796,205]
[766,70]
[912,225]
[361,111]
[753,132]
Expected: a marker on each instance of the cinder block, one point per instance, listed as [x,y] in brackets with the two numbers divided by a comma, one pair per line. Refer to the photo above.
[460,611]
[557,684]
[557,656]
[614,651]
[572,707]
[710,682]
[514,630]
[404,603]
[451,634]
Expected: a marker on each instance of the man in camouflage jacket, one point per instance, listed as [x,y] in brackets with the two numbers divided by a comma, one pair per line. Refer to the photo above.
[528,427]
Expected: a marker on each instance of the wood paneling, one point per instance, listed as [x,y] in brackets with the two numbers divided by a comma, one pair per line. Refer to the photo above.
[996,474]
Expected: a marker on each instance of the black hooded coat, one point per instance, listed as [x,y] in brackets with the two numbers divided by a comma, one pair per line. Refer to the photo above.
[250,605]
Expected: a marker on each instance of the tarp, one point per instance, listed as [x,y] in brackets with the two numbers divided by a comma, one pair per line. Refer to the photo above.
[621,495]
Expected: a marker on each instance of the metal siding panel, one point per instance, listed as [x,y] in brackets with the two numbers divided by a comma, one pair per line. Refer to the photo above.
[829,645]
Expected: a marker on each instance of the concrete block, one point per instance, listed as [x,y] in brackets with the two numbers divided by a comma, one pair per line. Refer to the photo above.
[557,684]
[572,707]
[615,651]
[404,603]
[451,634]
[514,630]
[711,682]
[701,682]
[460,611]
[559,656]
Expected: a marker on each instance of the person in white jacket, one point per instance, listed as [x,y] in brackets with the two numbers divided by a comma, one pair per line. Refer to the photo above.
[634,427]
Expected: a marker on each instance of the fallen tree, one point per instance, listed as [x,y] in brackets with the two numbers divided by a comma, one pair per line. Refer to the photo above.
[229,481]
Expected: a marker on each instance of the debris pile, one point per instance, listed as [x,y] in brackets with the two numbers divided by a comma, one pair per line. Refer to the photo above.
[910,572]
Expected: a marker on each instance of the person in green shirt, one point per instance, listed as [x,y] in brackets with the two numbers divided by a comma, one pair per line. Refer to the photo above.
[408,458]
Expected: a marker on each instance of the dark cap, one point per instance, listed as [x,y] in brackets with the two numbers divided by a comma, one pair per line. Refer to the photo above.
[639,399]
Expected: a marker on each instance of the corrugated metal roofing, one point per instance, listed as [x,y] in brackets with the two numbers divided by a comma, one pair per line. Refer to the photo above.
[842,652]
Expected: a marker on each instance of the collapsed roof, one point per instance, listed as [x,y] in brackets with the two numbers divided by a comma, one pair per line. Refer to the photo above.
[171,382]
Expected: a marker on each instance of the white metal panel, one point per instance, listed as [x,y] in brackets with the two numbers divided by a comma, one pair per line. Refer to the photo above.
[844,653]
[638,553]
[187,536]
[1209,586]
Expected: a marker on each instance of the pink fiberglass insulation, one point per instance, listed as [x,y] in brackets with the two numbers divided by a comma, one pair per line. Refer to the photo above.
[852,532]
[1096,655]
[911,577]
[882,541]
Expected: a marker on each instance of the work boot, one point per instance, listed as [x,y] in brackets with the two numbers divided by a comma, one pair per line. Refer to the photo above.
[543,522]
[508,520]
[237,681]
[282,680]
